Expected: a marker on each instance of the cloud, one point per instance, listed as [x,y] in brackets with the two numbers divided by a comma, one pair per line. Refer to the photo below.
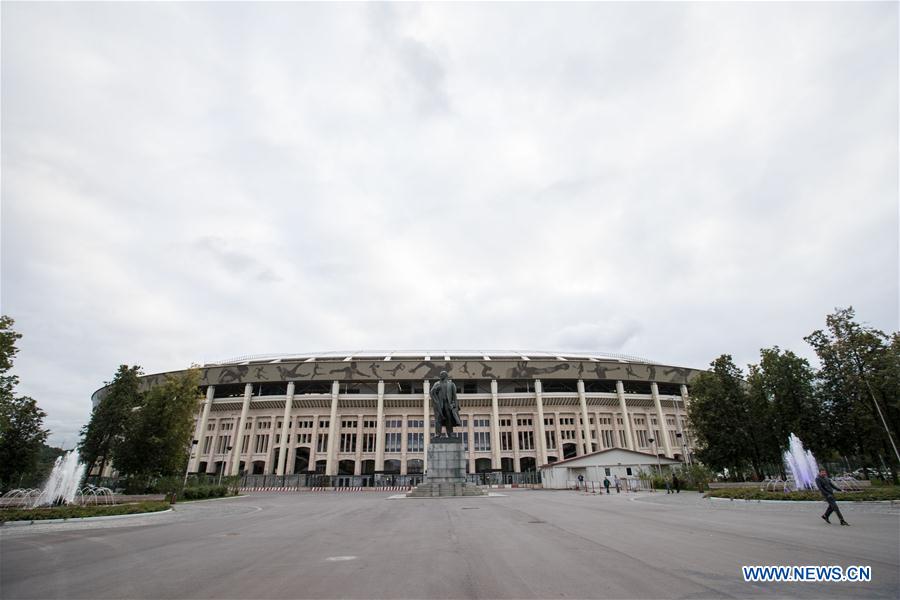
[612,335]
[185,182]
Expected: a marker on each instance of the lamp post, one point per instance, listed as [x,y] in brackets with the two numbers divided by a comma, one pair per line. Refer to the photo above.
[683,447]
[678,434]
[656,452]
[188,468]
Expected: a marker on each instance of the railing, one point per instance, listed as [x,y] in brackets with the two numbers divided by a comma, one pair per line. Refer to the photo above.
[379,480]
[626,484]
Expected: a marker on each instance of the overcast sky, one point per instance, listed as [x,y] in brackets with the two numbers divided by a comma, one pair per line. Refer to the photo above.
[191,182]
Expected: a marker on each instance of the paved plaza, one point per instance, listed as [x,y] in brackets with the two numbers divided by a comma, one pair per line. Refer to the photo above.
[525,544]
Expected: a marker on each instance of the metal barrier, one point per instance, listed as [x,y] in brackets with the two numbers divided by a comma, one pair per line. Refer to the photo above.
[376,482]
[626,484]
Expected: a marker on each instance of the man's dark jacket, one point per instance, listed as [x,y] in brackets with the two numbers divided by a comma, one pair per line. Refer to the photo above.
[826,487]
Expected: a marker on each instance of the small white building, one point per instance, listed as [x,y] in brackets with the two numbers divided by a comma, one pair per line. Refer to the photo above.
[599,465]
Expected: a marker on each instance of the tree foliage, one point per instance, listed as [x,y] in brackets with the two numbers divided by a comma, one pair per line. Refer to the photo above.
[22,432]
[848,407]
[722,419]
[158,433]
[785,383]
[104,432]
[859,377]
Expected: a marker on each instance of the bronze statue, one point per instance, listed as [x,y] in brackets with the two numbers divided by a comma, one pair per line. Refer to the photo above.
[445,404]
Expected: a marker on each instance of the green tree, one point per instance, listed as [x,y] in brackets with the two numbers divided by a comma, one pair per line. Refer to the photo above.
[22,434]
[101,436]
[46,459]
[857,383]
[786,382]
[722,420]
[158,434]
[8,351]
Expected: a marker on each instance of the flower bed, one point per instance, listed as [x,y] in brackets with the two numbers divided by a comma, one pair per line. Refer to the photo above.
[869,494]
[78,512]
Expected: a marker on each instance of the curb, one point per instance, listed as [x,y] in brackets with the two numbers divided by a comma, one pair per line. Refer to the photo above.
[79,519]
[208,499]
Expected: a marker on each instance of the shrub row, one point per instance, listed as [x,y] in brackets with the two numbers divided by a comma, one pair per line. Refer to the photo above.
[204,491]
[868,494]
[76,512]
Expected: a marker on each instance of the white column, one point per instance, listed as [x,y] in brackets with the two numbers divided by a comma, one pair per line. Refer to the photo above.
[541,440]
[426,409]
[357,467]
[685,400]
[404,428]
[495,426]
[285,432]
[517,468]
[201,427]
[620,392]
[586,429]
[314,447]
[660,418]
[557,425]
[331,467]
[379,430]
[470,421]
[239,434]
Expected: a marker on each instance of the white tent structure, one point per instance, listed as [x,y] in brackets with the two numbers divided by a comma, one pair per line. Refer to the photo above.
[614,462]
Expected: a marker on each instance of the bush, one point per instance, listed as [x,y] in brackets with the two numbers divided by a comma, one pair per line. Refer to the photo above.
[77,512]
[205,491]
[869,494]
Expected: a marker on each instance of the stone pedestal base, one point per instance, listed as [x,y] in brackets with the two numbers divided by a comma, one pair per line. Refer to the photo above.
[446,471]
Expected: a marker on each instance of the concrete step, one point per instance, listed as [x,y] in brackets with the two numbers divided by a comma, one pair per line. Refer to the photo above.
[444,490]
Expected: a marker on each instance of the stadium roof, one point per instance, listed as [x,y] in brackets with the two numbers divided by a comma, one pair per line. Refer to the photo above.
[388,355]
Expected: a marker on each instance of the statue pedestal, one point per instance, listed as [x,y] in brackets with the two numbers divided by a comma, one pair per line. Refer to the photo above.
[446,474]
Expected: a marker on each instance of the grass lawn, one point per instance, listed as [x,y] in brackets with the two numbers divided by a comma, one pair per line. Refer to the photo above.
[752,493]
[76,512]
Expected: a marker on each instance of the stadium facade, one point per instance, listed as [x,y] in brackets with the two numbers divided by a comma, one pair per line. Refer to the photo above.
[369,413]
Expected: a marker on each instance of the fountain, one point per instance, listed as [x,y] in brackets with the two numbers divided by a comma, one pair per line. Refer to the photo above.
[93,494]
[61,487]
[800,464]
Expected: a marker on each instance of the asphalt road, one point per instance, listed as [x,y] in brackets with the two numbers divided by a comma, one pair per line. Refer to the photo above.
[528,544]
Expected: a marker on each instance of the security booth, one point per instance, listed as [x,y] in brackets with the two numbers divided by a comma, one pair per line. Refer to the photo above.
[596,466]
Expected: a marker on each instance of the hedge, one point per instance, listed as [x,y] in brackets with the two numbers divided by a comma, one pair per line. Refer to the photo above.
[205,491]
[868,494]
[77,512]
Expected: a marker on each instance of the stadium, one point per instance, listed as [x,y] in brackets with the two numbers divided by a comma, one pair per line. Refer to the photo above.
[363,418]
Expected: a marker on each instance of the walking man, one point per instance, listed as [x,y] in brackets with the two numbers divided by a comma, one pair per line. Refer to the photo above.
[606,484]
[616,479]
[828,489]
[676,484]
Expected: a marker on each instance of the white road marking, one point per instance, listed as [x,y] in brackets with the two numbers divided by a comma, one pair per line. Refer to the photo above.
[340,558]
